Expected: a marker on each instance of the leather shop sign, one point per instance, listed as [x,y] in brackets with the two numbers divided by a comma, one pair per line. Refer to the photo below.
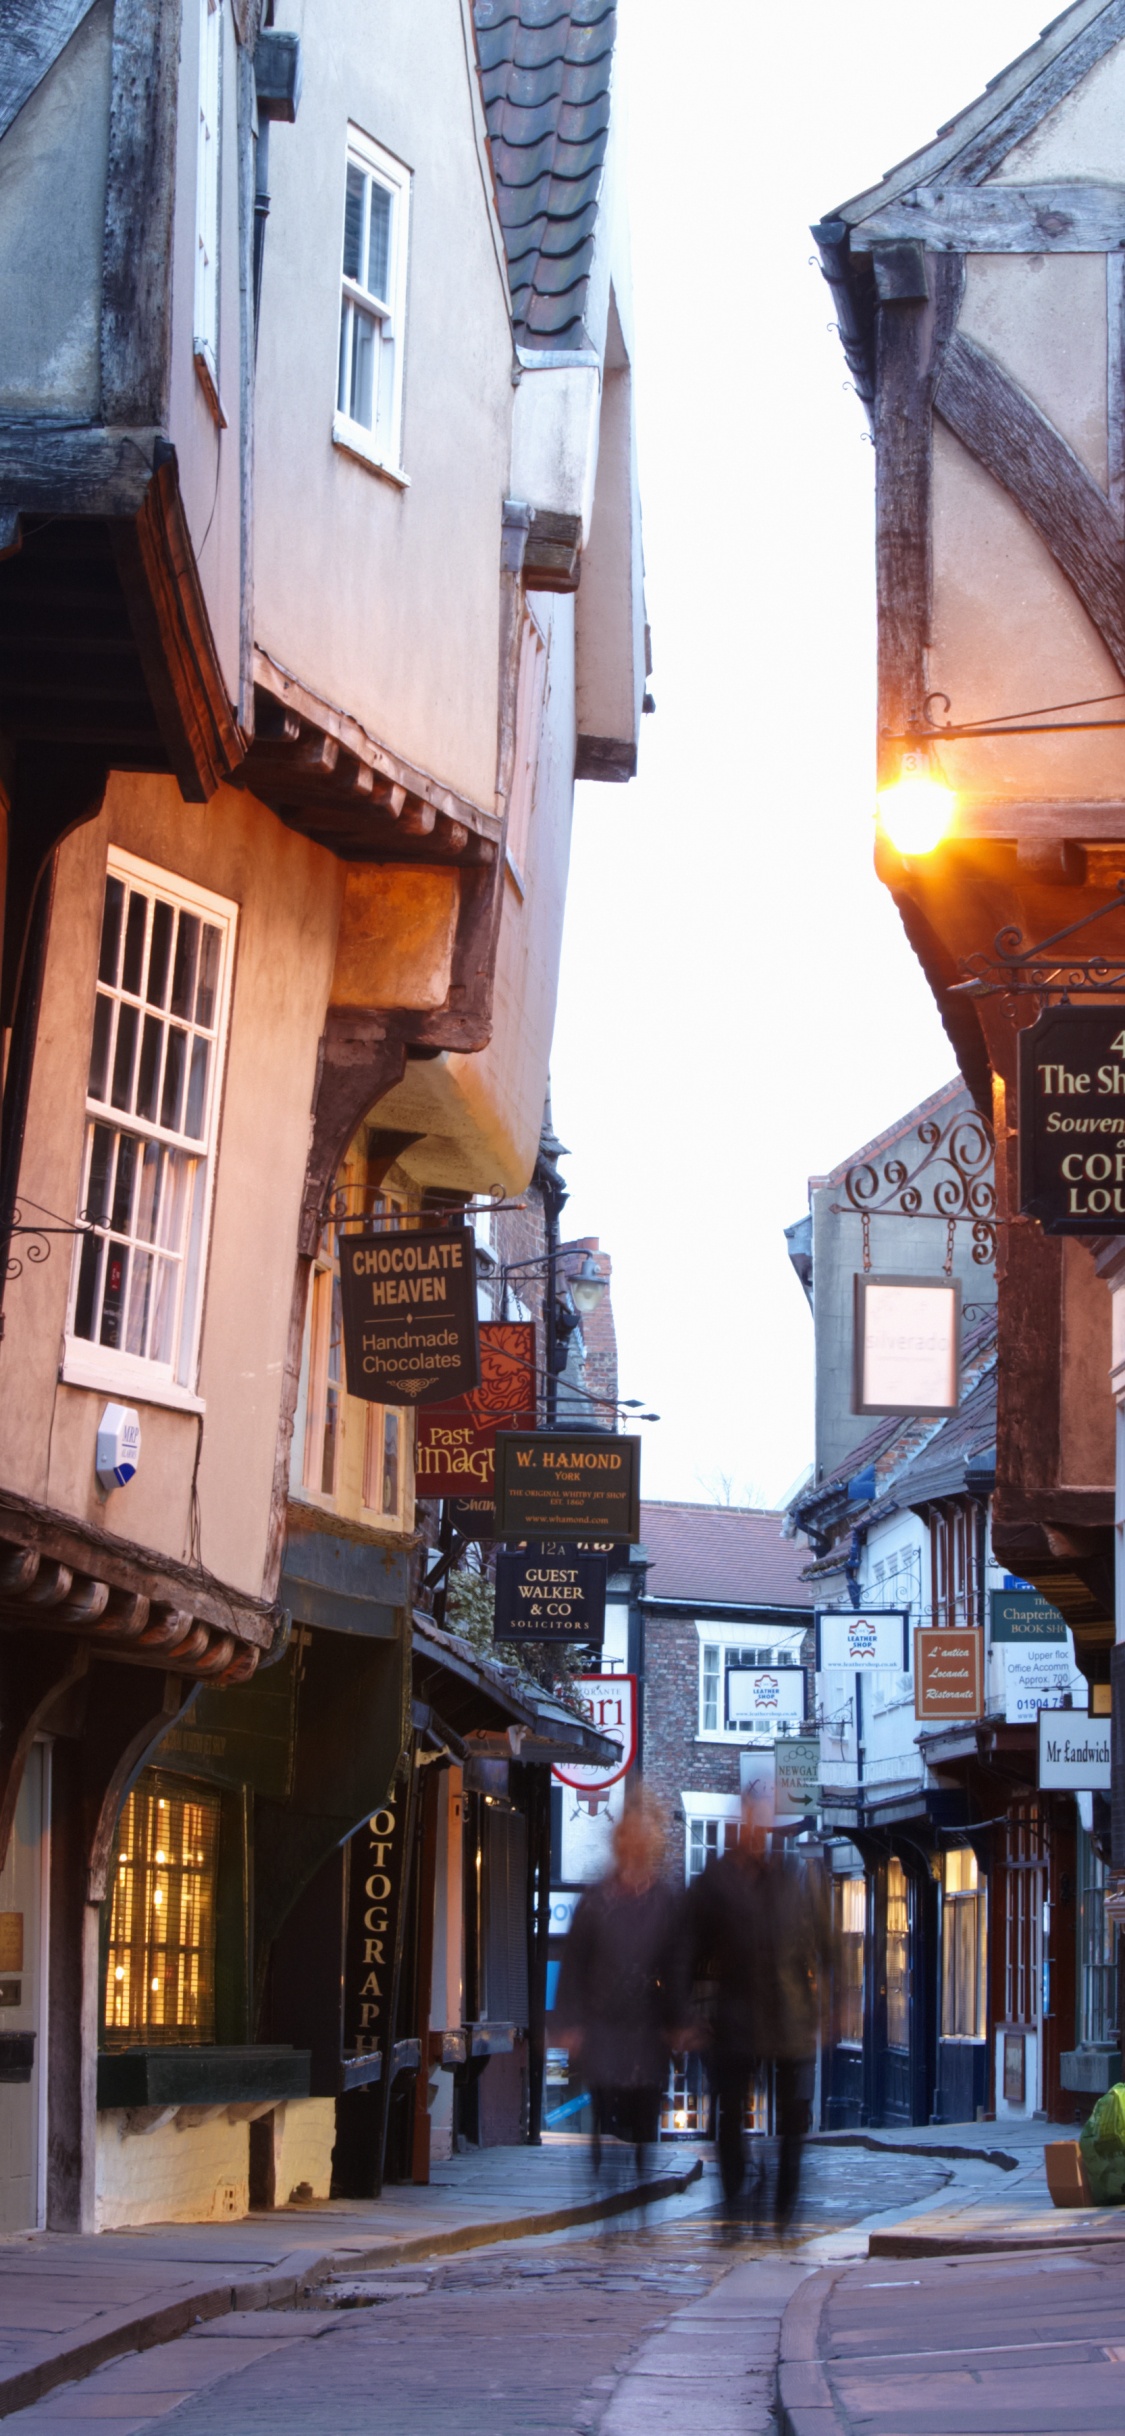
[410,1315]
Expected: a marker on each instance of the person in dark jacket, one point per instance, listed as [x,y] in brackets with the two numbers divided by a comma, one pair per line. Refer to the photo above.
[615,2006]
[758,1938]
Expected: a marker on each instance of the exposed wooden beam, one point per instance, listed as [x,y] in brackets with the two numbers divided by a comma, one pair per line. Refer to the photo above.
[1060,219]
[168,614]
[136,332]
[86,472]
[1009,436]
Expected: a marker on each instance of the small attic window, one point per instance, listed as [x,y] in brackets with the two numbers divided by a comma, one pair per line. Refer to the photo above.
[368,419]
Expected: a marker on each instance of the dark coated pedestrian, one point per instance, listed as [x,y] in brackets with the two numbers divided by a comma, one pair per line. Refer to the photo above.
[758,1938]
[616,2005]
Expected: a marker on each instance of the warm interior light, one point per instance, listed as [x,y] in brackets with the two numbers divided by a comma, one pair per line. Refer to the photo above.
[916,811]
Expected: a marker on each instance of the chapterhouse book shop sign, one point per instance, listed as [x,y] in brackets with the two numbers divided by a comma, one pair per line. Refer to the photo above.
[1072,1120]
[410,1315]
[567,1484]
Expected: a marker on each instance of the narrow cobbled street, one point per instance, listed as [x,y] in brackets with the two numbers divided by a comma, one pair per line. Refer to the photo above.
[545,2334]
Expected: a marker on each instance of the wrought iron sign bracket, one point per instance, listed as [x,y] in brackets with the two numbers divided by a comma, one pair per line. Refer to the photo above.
[950,1184]
[1015,970]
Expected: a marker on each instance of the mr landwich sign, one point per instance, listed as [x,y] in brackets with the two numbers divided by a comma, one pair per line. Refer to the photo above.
[1072,1120]
[410,1315]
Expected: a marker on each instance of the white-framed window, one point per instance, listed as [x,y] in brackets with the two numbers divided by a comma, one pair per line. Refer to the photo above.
[723,1647]
[384,1484]
[711,1824]
[531,704]
[964,1946]
[368,417]
[206,310]
[152,1112]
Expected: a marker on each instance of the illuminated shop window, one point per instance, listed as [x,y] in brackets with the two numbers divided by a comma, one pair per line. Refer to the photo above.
[160,1973]
[963,1947]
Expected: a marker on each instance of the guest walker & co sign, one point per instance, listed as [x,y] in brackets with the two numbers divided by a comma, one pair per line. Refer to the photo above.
[550,1594]
[1072,1120]
[410,1314]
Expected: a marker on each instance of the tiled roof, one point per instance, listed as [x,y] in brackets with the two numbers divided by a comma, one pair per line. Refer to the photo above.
[545,72]
[967,1439]
[730,1554]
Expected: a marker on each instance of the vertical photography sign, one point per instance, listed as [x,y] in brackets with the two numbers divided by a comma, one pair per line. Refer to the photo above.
[409,1306]
[455,1443]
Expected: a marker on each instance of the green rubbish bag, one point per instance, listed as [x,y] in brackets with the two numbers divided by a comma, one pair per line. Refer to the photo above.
[1102,2142]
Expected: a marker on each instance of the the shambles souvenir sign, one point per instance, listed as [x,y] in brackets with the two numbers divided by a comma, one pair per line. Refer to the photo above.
[875,1638]
[455,1443]
[948,1672]
[567,1484]
[907,1351]
[550,1593]
[410,1315]
[1072,1120]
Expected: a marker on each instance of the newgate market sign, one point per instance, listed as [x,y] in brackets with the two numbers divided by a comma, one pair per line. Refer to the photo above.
[410,1315]
[1072,1120]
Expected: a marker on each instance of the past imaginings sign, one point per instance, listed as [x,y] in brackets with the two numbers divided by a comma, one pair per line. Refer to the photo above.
[410,1315]
[455,1444]
[550,1594]
[1072,1120]
[567,1484]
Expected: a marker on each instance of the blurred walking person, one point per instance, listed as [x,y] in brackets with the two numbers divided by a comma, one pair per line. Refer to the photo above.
[615,2008]
[758,1940]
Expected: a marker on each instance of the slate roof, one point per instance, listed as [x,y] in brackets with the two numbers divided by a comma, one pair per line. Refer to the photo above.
[965,1443]
[545,74]
[732,1555]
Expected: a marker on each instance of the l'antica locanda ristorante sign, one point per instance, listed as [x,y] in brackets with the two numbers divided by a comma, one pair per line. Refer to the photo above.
[1072,1120]
[410,1314]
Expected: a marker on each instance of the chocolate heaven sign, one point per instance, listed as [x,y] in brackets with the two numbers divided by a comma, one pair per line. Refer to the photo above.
[567,1484]
[410,1315]
[1072,1120]
[550,1594]
[455,1444]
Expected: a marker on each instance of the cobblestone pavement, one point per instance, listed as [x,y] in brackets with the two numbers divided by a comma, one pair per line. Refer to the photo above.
[531,2337]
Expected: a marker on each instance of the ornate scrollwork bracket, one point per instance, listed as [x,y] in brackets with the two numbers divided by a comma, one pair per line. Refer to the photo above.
[947,1178]
[1016,971]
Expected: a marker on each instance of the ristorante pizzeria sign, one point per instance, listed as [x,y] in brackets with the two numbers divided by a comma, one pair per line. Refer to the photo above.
[410,1315]
[1072,1120]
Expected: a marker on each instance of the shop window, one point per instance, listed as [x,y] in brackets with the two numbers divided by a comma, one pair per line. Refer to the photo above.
[898,1956]
[963,1946]
[1097,1950]
[153,1094]
[851,1921]
[160,1973]
[1024,1883]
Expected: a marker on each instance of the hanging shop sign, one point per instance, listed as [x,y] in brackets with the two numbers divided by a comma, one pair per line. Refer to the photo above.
[1073,1752]
[1021,1615]
[877,1637]
[907,1345]
[610,1702]
[948,1673]
[758,1694]
[1072,1120]
[567,1484]
[796,1784]
[455,1443]
[410,1315]
[550,1593]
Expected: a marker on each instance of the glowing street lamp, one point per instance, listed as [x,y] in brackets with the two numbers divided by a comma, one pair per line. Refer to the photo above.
[917,810]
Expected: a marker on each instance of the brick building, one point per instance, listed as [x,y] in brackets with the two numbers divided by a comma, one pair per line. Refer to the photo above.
[723,1609]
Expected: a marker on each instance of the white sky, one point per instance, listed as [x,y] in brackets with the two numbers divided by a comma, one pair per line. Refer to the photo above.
[739,1008]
